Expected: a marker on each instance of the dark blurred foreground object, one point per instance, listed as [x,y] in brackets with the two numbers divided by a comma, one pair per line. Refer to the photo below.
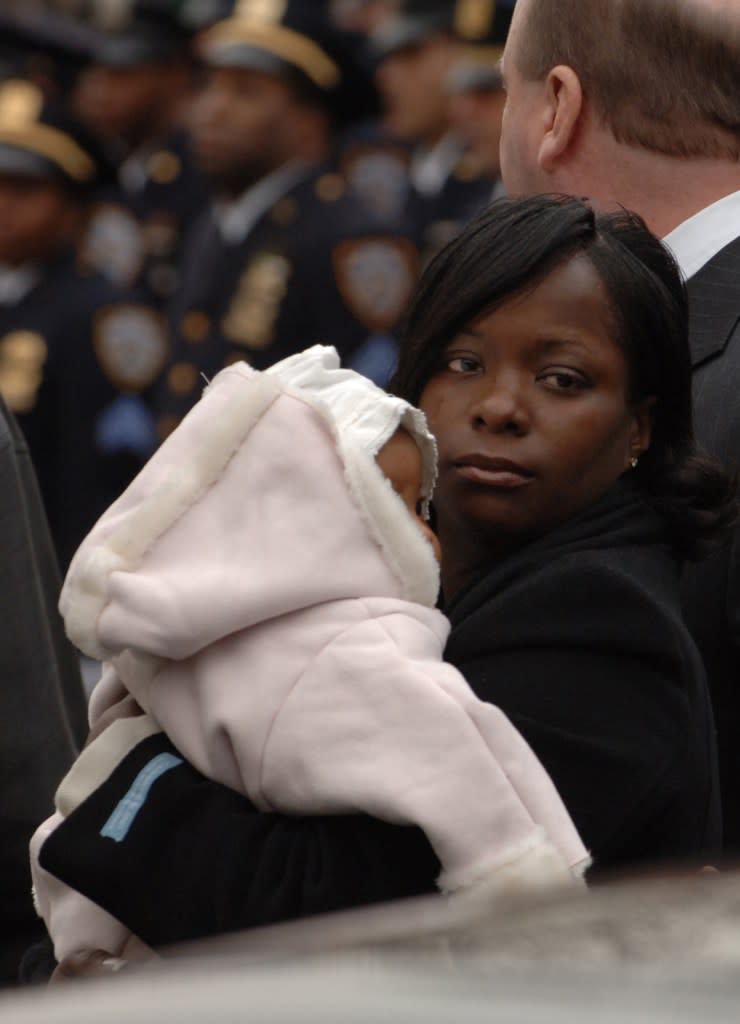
[659,950]
[42,708]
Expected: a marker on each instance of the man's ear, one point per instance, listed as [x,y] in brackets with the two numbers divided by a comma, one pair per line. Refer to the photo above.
[564,104]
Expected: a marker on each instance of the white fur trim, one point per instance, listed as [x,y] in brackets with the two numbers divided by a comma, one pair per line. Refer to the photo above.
[531,865]
[84,594]
[408,552]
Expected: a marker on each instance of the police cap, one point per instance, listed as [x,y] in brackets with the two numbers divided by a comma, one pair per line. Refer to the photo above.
[481,27]
[297,41]
[40,139]
[153,33]
[26,37]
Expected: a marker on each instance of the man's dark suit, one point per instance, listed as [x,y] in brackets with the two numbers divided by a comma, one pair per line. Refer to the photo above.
[712,587]
[42,710]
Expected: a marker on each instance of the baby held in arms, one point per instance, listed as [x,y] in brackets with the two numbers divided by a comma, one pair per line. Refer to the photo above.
[264,593]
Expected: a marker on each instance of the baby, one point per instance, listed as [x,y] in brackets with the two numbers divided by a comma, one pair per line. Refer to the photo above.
[264,592]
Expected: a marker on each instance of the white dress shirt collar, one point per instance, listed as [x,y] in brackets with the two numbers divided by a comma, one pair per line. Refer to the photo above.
[695,242]
[430,168]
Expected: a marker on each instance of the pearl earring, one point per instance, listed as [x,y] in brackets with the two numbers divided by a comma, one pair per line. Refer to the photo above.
[633,461]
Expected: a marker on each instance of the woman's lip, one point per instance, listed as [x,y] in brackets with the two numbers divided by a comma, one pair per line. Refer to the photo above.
[493,472]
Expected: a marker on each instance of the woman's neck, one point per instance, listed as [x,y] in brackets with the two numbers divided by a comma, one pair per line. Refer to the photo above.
[464,556]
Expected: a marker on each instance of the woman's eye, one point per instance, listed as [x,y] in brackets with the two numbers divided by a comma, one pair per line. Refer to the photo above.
[563,380]
[463,364]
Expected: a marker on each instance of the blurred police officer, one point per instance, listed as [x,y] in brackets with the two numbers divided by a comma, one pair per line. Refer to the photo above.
[284,258]
[477,95]
[75,354]
[135,94]
[417,50]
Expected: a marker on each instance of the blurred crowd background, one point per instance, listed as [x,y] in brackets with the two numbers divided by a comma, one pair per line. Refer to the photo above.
[185,183]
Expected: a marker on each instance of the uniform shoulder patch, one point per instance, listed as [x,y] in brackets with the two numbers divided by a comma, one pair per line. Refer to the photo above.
[114,243]
[22,358]
[375,277]
[131,345]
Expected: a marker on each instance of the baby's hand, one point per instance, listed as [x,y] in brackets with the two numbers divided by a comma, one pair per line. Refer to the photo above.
[90,964]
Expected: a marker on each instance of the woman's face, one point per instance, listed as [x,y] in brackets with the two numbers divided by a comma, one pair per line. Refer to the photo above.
[531,412]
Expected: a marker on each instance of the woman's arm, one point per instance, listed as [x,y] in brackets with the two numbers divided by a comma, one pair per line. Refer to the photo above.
[198,859]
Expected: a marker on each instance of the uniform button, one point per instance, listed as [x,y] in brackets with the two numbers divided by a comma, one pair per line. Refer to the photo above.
[330,187]
[195,326]
[165,426]
[284,212]
[165,167]
[182,378]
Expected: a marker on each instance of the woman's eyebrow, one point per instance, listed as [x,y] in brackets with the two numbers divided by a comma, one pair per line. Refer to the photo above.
[556,343]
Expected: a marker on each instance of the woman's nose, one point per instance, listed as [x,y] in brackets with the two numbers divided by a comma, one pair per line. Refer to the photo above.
[500,405]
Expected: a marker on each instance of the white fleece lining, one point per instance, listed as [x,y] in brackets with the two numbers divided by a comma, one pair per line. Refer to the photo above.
[535,863]
[96,762]
[85,591]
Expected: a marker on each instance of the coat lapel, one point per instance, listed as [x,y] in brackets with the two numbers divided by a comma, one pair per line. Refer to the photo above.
[714,304]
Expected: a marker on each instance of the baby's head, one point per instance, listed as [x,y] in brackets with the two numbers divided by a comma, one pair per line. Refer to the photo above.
[401,461]
[370,426]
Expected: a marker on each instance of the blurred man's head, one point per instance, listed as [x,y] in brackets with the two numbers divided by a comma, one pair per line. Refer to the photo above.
[476,87]
[50,166]
[277,80]
[139,78]
[415,52]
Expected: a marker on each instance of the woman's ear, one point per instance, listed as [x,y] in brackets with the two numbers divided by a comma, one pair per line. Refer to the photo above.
[641,429]
[563,107]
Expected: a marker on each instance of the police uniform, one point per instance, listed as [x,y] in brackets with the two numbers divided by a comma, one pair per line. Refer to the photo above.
[140,220]
[312,269]
[77,356]
[446,186]
[310,264]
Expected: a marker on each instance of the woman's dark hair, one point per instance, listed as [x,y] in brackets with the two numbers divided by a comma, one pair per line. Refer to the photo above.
[510,248]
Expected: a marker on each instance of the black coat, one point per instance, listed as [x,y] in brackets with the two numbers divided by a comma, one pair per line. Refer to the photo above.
[711,589]
[42,706]
[77,356]
[577,637]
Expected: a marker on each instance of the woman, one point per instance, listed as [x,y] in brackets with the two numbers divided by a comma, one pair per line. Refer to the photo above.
[548,348]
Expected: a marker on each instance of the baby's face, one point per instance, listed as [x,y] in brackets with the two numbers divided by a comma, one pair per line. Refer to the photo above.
[400,460]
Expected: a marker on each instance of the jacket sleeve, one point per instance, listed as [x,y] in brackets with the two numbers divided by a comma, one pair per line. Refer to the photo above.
[199,859]
[378,724]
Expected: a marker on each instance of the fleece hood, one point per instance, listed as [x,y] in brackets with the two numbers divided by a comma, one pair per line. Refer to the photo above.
[258,505]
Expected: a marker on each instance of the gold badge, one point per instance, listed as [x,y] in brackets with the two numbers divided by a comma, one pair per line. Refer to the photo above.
[165,167]
[20,104]
[183,378]
[195,326]
[474,18]
[375,277]
[270,11]
[330,187]
[131,346]
[22,358]
[254,309]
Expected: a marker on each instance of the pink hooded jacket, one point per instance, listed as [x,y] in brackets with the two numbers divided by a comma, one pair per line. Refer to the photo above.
[263,594]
